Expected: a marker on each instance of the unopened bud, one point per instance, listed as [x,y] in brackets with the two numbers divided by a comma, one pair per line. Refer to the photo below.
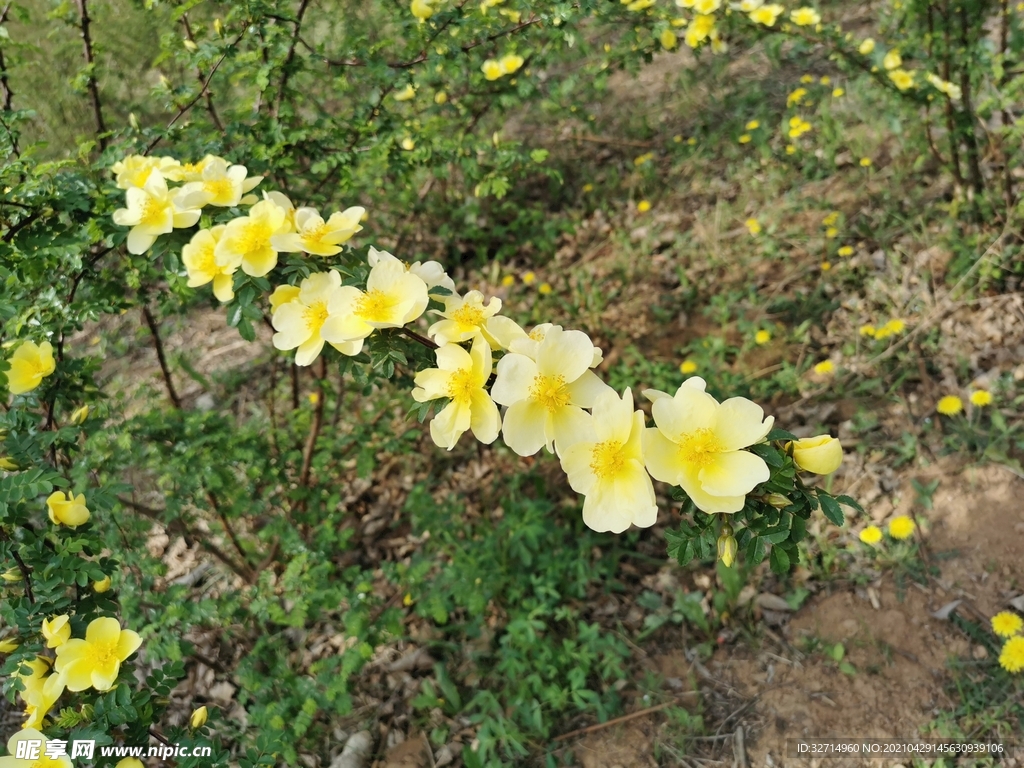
[80,415]
[102,585]
[189,45]
[218,27]
[11,575]
[7,465]
[133,121]
[727,546]
[198,719]
[777,500]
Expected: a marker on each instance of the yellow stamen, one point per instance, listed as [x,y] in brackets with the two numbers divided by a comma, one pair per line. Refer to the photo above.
[315,316]
[698,448]
[468,317]
[219,188]
[153,212]
[607,459]
[375,306]
[550,391]
[461,386]
[255,236]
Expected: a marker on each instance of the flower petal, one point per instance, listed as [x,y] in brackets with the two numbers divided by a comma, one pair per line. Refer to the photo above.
[523,427]
[740,423]
[486,421]
[512,384]
[733,474]
[690,410]
[565,353]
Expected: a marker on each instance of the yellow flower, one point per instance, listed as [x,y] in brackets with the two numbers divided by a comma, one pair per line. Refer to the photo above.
[871,535]
[247,241]
[1007,624]
[826,266]
[198,718]
[845,250]
[56,631]
[492,69]
[950,405]
[669,39]
[408,144]
[790,149]
[440,97]
[796,97]
[588,187]
[838,92]
[40,690]
[892,59]
[546,390]
[643,206]
[943,86]
[529,278]
[220,185]
[464,318]
[821,455]
[30,364]
[901,527]
[508,281]
[866,46]
[902,79]
[824,367]
[201,263]
[867,330]
[300,321]
[67,510]
[753,226]
[544,289]
[130,762]
[687,367]
[153,211]
[315,236]
[805,17]
[825,80]
[422,9]
[461,377]
[101,586]
[8,646]
[750,5]
[808,78]
[831,233]
[753,125]
[408,600]
[406,94]
[766,15]
[700,27]
[79,415]
[95,661]
[393,297]
[606,465]
[762,337]
[865,162]
[981,398]
[798,127]
[34,744]
[282,295]
[831,219]
[134,170]
[706,6]
[745,138]
[698,444]
[1012,656]
[895,326]
[510,63]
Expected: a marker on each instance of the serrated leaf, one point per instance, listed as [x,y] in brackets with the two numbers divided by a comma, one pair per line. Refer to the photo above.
[779,561]
[830,508]
[850,502]
[780,434]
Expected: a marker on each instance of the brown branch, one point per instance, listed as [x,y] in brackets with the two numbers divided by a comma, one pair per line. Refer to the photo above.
[294,371]
[159,345]
[314,428]
[289,58]
[26,572]
[417,338]
[90,63]
[228,529]
[199,74]
[618,720]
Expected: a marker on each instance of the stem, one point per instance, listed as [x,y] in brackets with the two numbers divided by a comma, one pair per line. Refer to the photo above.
[26,572]
[159,345]
[973,163]
[90,63]
[227,527]
[417,338]
[289,58]
[199,74]
[314,429]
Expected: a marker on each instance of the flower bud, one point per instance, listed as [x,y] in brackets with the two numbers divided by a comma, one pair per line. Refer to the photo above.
[727,546]
[8,646]
[7,465]
[821,455]
[102,585]
[80,415]
[198,719]
[57,630]
[777,500]
[11,575]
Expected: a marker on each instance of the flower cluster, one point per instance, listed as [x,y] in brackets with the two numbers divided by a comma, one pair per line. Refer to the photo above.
[1010,626]
[900,527]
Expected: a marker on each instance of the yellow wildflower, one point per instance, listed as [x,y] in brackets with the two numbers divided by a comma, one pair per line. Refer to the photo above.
[866,46]
[30,364]
[299,321]
[315,236]
[643,206]
[867,330]
[669,39]
[68,510]
[981,398]
[95,661]
[202,266]
[766,15]
[492,69]
[824,367]
[465,317]
[838,92]
[152,210]
[699,29]
[247,241]
[544,289]
[406,94]
[872,534]
[762,337]
[845,250]
[422,9]
[220,184]
[821,455]
[805,17]
[892,59]
[865,162]
[753,125]
[745,138]
[753,226]
[796,97]
[1007,624]
[508,281]
[1012,656]
[56,631]
[950,405]
[510,63]
[902,79]
[687,367]
[901,527]
[529,278]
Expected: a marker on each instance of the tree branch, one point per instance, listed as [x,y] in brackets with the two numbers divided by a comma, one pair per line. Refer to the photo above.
[290,57]
[90,63]
[26,572]
[314,429]
[159,345]
[199,74]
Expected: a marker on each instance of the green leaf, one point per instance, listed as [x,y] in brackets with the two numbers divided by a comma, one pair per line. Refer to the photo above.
[850,502]
[771,456]
[779,561]
[780,434]
[830,508]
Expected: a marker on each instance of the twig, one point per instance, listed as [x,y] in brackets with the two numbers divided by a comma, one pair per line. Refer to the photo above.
[199,74]
[159,345]
[617,720]
[26,572]
[289,58]
[90,63]
[739,748]
[417,338]
[227,527]
[314,429]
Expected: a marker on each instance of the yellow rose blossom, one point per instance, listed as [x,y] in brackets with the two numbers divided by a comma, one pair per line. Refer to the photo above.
[492,69]
[687,367]
[1007,624]
[892,59]
[699,29]
[406,94]
[510,63]
[981,398]
[950,405]
[30,364]
[430,272]
[824,367]
[1011,658]
[300,321]
[101,586]
[393,297]
[56,631]
[282,295]
[750,5]
[872,534]
[188,172]
[902,79]
[698,445]
[943,86]
[67,510]
[198,718]
[220,185]
[606,465]
[762,337]
[546,391]
[766,15]
[152,210]
[461,376]
[315,236]
[200,262]
[40,691]
[95,661]
[247,241]
[36,746]
[134,170]
[668,39]
[517,340]
[422,9]
[901,527]
[805,17]
[466,317]
[821,455]
[866,46]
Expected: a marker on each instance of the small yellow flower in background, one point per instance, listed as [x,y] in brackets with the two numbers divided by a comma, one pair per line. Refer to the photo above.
[529,278]
[511,63]
[492,69]
[838,93]
[805,17]
[824,367]
[30,364]
[981,398]
[95,661]
[508,281]
[56,631]
[643,206]
[440,97]
[201,263]
[36,745]
[749,5]
[706,6]
[408,144]
[753,125]
[902,79]
[766,15]
[220,184]
[1007,624]
[687,367]
[762,337]
[950,405]
[313,397]
[871,535]
[943,86]
[692,141]
[826,266]
[1012,656]
[830,219]
[198,718]
[422,9]
[895,326]
[798,127]
[744,139]
[831,233]
[246,242]
[406,94]
[796,97]
[865,162]
[152,210]
[134,170]
[825,80]
[892,59]
[821,455]
[408,599]
[669,39]
[79,415]
[317,237]
[790,149]
[101,586]
[67,510]
[867,330]
[808,78]
[544,289]
[901,527]
[644,158]
[845,250]
[753,226]
[866,46]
